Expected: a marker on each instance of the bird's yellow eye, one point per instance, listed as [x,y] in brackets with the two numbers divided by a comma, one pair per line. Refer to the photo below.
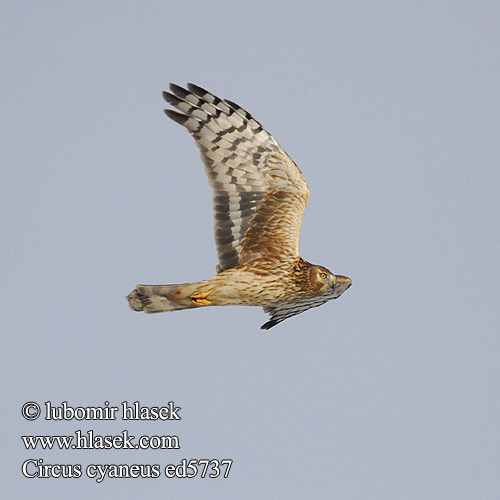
[322,276]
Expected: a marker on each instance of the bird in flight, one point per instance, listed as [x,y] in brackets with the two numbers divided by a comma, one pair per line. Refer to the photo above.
[259,199]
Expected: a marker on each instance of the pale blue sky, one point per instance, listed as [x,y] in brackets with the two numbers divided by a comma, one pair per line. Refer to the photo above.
[391,111]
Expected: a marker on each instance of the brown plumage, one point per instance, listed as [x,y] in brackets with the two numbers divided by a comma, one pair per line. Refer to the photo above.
[259,199]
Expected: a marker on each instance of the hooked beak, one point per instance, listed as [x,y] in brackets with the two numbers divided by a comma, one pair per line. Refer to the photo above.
[342,283]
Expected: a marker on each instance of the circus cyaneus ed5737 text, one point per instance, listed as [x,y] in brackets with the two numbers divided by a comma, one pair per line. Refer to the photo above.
[259,198]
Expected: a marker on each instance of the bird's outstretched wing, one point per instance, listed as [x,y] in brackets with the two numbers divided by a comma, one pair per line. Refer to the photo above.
[259,194]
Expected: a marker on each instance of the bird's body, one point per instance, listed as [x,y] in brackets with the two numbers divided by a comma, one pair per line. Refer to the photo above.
[259,198]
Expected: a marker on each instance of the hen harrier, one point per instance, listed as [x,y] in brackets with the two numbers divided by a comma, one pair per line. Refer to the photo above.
[259,198]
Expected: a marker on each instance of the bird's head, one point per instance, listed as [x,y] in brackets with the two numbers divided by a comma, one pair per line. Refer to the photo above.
[324,281]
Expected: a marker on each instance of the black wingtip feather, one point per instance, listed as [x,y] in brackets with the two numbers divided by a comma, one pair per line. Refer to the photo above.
[269,324]
[177,117]
[170,98]
[178,90]
[196,89]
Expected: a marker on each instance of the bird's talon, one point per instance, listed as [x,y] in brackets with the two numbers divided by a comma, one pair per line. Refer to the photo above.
[200,299]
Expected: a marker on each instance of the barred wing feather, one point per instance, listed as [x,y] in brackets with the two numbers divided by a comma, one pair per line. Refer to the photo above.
[259,194]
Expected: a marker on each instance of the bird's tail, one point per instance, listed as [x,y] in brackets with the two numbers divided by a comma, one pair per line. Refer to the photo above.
[161,298]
